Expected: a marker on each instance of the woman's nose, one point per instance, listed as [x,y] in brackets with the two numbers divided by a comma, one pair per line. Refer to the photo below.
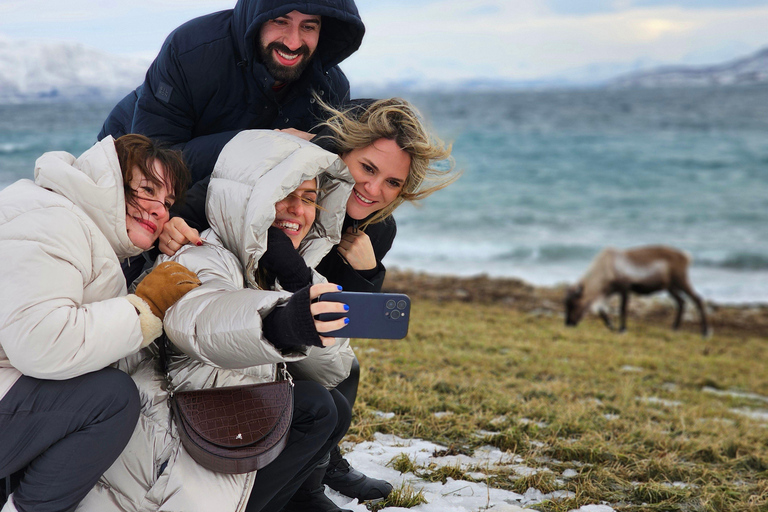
[158,210]
[296,206]
[373,187]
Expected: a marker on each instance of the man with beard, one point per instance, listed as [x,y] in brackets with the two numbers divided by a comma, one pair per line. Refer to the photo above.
[255,66]
[258,65]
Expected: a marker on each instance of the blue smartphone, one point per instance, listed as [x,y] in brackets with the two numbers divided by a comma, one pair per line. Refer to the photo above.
[371,315]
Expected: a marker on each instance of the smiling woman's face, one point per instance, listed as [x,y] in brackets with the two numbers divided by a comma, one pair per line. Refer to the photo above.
[145,220]
[295,214]
[380,171]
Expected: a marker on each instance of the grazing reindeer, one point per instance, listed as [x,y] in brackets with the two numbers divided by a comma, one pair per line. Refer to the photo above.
[642,270]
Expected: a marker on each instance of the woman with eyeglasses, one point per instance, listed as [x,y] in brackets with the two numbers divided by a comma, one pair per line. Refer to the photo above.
[65,314]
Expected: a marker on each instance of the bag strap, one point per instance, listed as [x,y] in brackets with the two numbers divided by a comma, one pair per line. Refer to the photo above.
[281,371]
[162,346]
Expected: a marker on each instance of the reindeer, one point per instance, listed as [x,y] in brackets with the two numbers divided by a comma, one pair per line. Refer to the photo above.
[641,270]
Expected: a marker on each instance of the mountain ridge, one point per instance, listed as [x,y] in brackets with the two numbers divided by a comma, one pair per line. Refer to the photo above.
[48,72]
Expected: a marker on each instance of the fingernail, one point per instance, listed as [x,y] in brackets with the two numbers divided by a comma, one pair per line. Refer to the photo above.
[339,287]
[346,320]
[199,243]
[346,308]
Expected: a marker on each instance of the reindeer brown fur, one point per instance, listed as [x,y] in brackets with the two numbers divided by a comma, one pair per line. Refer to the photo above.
[642,270]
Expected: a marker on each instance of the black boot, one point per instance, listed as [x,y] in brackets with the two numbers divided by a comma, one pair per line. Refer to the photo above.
[311,495]
[343,478]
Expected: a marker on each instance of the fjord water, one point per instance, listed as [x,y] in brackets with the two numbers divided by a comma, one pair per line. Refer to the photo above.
[550,178]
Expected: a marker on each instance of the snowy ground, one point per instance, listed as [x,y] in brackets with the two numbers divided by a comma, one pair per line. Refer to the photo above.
[456,495]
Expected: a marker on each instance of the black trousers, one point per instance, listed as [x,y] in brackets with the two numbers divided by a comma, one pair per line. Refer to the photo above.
[58,437]
[320,420]
[348,387]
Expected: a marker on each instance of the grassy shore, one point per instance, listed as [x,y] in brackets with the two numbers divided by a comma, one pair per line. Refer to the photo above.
[652,419]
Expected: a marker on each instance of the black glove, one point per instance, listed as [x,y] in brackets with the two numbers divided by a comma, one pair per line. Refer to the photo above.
[284,262]
[292,325]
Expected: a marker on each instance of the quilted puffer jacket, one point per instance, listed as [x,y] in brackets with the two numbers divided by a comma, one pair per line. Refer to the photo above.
[63,310]
[216,328]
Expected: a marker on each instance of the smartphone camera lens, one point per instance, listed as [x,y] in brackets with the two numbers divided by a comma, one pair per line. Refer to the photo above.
[394,315]
[401,304]
[390,304]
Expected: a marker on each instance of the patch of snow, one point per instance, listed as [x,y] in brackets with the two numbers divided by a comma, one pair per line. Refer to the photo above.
[594,508]
[384,415]
[631,369]
[660,401]
[735,394]
[442,414]
[755,414]
[372,457]
[526,421]
[498,420]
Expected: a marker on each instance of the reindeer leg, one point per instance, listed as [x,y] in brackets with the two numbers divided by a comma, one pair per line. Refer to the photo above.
[705,332]
[606,319]
[680,307]
[623,320]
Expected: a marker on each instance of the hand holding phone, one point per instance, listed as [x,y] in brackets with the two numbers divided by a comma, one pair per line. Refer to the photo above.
[336,309]
[371,315]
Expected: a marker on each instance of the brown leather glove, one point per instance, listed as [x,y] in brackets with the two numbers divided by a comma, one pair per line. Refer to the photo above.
[167,283]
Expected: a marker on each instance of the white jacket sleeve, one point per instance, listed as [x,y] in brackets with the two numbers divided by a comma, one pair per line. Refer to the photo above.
[219,323]
[60,315]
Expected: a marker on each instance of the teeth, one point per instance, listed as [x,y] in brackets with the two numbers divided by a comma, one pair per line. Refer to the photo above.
[292,226]
[366,201]
[286,55]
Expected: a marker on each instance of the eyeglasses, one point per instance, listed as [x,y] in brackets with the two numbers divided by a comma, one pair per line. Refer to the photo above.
[165,204]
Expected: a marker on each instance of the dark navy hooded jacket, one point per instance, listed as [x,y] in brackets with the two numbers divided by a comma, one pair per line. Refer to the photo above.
[208,81]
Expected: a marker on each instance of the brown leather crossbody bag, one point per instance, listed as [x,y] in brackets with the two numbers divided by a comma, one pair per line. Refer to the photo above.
[235,429]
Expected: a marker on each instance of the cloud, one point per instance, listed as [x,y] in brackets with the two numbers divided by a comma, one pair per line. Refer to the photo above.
[527,39]
[445,39]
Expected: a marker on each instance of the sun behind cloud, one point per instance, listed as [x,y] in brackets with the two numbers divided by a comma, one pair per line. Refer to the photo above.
[655,28]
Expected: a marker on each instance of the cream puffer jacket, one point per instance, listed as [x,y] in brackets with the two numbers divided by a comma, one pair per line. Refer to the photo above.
[63,310]
[216,328]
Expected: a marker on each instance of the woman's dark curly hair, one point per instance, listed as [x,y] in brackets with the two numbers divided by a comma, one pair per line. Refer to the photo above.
[137,151]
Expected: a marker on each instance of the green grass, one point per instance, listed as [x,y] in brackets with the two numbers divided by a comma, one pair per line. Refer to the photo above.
[626,411]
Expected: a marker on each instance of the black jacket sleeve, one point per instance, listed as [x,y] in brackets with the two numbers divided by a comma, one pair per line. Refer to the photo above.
[201,153]
[338,271]
[192,210]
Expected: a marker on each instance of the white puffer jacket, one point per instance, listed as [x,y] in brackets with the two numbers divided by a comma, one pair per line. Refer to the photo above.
[62,307]
[216,328]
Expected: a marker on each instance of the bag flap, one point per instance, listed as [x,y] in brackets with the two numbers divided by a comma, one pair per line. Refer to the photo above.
[236,416]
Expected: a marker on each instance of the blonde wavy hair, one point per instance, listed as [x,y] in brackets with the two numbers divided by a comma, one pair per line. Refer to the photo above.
[395,119]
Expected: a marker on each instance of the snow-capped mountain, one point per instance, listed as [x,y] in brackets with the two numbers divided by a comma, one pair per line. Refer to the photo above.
[748,70]
[35,71]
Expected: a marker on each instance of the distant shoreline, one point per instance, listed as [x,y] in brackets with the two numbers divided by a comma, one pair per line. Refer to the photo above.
[745,319]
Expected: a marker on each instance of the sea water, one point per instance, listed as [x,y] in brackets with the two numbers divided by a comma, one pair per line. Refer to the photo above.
[550,178]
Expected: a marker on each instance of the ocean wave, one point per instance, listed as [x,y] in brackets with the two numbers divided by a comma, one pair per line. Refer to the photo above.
[735,261]
[549,253]
[8,148]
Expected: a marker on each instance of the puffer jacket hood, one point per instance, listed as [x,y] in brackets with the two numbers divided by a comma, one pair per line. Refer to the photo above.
[258,168]
[94,182]
[340,36]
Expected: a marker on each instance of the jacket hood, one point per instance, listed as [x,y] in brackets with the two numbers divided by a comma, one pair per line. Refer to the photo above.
[94,182]
[340,35]
[258,168]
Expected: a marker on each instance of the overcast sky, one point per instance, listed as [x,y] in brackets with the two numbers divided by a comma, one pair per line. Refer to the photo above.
[445,39]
